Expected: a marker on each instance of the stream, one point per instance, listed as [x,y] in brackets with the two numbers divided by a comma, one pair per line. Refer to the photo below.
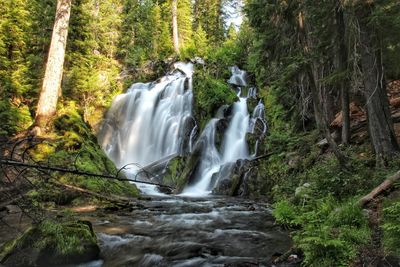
[178,231]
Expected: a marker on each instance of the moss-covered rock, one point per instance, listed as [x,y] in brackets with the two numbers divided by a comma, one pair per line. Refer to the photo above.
[173,173]
[75,146]
[210,94]
[51,244]
[187,175]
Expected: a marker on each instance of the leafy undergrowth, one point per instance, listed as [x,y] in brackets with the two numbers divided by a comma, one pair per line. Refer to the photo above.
[76,147]
[328,232]
[14,118]
[317,200]
[391,226]
[210,94]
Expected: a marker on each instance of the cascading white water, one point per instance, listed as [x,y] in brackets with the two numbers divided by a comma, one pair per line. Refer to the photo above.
[234,144]
[258,114]
[238,77]
[210,161]
[148,122]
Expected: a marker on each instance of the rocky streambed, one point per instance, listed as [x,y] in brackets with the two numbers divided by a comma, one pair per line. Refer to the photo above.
[178,231]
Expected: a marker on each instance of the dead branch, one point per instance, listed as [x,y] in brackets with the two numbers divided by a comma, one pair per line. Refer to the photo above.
[60,169]
[385,185]
[262,157]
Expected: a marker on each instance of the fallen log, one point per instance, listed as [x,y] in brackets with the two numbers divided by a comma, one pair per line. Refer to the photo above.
[385,185]
[9,202]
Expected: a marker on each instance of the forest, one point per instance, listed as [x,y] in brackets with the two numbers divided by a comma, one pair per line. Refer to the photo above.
[200,133]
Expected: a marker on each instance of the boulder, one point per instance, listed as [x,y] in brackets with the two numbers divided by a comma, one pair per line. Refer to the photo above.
[222,181]
[52,244]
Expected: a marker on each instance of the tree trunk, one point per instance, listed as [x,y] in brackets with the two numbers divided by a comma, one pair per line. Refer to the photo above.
[319,110]
[54,68]
[380,124]
[344,83]
[175,34]
[321,118]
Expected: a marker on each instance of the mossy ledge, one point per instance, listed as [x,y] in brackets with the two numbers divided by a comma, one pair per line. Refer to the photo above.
[52,244]
[73,145]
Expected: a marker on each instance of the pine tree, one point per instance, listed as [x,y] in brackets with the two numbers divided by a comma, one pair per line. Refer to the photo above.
[200,41]
[54,69]
[15,82]
[175,27]
[185,22]
[208,13]
[14,28]
[380,123]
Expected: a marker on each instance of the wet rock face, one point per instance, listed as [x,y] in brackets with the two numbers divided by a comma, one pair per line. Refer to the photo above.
[222,125]
[250,184]
[222,181]
[237,179]
[52,244]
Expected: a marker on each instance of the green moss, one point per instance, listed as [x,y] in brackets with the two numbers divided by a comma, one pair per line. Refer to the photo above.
[52,243]
[210,94]
[173,174]
[76,147]
[235,184]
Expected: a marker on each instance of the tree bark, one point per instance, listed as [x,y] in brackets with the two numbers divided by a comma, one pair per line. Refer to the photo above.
[380,124]
[344,83]
[175,34]
[54,68]
[319,110]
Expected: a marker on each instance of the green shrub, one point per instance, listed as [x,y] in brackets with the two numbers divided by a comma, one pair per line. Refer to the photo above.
[52,244]
[210,94]
[13,119]
[328,232]
[391,227]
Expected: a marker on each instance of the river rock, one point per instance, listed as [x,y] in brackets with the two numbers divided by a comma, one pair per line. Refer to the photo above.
[222,181]
[52,244]
[222,125]
[236,179]
[190,167]
[250,183]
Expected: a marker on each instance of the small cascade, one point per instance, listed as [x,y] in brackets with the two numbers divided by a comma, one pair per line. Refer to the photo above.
[210,161]
[252,93]
[150,121]
[258,115]
[238,77]
[234,146]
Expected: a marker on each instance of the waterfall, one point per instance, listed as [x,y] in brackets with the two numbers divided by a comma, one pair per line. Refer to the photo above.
[149,122]
[154,121]
[234,144]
